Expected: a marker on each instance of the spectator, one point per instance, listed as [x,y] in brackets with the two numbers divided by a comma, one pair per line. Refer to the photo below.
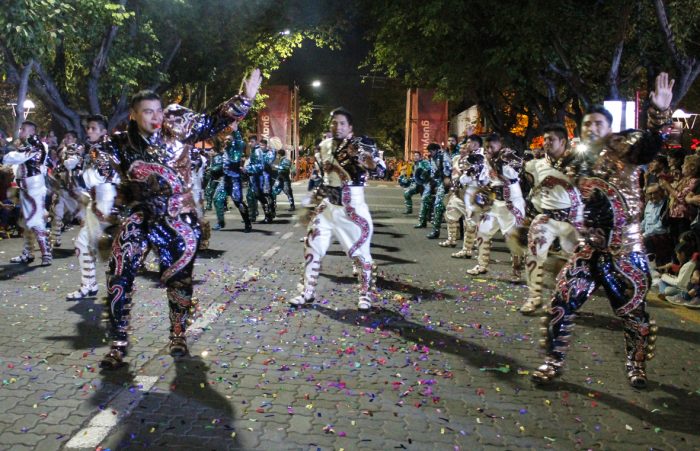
[657,239]
[680,212]
[657,170]
[674,288]
[694,291]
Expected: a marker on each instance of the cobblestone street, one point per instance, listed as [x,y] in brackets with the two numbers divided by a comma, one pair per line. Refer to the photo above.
[442,363]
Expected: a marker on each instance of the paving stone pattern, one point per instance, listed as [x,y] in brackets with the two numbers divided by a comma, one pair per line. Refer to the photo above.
[442,363]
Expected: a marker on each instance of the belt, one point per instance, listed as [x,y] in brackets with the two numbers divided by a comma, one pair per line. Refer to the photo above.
[561,214]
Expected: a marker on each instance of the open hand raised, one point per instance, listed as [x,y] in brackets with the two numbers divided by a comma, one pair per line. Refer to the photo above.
[663,92]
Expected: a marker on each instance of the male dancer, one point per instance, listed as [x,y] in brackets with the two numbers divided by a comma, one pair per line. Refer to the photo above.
[440,168]
[156,172]
[342,212]
[65,179]
[283,183]
[255,168]
[100,177]
[612,253]
[507,212]
[199,166]
[560,208]
[233,181]
[418,183]
[470,174]
[215,172]
[30,158]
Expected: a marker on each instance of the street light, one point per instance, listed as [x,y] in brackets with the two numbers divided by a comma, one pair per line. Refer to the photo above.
[28,105]
[316,83]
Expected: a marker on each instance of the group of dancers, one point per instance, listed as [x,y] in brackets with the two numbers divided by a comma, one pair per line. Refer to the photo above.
[582,203]
[585,201]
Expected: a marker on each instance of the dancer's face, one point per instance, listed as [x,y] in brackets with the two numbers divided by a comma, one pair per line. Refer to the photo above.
[417,156]
[26,131]
[554,145]
[340,127]
[594,127]
[492,147]
[451,142]
[95,131]
[148,115]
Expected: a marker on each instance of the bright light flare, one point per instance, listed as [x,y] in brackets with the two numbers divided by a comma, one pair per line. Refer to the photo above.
[316,83]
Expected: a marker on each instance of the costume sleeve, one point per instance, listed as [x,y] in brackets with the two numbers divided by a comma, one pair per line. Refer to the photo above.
[646,144]
[207,125]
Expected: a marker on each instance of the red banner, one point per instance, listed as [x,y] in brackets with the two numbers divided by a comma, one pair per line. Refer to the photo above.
[427,119]
[273,120]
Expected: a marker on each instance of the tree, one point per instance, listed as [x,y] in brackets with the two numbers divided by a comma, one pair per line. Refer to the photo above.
[178,46]
[538,60]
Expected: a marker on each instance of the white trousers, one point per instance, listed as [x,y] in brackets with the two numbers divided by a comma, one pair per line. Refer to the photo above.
[543,231]
[351,224]
[90,232]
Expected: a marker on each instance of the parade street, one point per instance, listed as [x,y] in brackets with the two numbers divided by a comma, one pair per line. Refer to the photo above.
[442,362]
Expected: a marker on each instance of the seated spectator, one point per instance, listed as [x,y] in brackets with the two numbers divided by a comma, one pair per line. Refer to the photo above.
[657,239]
[674,288]
[694,291]
[9,208]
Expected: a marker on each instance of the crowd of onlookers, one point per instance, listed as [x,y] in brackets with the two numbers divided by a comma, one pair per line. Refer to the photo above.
[671,225]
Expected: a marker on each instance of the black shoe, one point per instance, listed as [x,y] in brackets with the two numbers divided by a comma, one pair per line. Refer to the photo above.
[408,212]
[434,235]
[113,360]
[420,226]
[267,220]
[247,228]
[178,347]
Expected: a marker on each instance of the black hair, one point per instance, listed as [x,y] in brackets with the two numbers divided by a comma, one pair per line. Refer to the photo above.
[100,119]
[600,109]
[263,141]
[433,146]
[31,124]
[476,138]
[452,135]
[140,96]
[71,132]
[254,137]
[662,159]
[493,137]
[558,129]
[344,112]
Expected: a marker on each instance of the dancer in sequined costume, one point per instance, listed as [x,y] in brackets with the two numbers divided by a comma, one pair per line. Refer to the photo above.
[156,170]
[258,182]
[30,157]
[469,173]
[199,166]
[418,183]
[558,209]
[215,175]
[100,178]
[507,210]
[340,209]
[66,185]
[440,169]
[283,182]
[612,252]
[233,181]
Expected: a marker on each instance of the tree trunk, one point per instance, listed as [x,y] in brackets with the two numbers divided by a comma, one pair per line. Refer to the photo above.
[22,96]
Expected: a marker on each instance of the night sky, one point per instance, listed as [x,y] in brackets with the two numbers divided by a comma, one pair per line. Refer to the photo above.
[338,72]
